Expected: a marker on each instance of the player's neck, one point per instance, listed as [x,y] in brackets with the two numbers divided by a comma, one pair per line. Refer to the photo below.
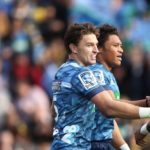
[106,66]
[73,57]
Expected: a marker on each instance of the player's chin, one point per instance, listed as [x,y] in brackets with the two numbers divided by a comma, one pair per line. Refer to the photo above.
[118,63]
[93,61]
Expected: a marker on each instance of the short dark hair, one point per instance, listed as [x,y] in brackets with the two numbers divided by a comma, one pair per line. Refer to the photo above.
[76,31]
[105,31]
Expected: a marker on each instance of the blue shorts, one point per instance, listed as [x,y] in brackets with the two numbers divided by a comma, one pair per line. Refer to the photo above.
[102,145]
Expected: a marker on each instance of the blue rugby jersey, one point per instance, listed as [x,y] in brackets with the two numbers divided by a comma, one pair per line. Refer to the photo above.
[104,125]
[73,87]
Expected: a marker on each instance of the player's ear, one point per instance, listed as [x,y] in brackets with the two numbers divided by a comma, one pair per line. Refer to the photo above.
[73,48]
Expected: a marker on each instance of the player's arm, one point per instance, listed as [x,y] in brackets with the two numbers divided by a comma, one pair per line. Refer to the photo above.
[86,83]
[111,108]
[144,102]
[118,140]
[141,133]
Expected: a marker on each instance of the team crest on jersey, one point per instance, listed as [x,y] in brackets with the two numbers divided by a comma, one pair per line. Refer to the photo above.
[87,79]
[99,76]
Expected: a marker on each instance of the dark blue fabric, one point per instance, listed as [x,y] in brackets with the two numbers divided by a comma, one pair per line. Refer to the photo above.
[102,145]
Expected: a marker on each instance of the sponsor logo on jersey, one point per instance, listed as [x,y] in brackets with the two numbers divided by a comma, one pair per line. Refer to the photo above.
[70,132]
[88,79]
[99,76]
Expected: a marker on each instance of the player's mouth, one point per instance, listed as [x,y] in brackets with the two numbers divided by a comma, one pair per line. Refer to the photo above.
[119,57]
[93,57]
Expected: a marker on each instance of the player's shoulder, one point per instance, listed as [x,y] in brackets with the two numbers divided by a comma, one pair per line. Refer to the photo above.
[97,66]
[68,67]
[71,68]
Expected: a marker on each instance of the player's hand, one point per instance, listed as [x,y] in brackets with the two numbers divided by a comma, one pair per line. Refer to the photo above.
[148,101]
[139,138]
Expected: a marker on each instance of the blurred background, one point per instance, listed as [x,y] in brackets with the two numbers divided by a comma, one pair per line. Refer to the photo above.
[32,49]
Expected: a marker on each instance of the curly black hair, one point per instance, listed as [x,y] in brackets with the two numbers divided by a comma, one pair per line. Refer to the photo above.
[105,31]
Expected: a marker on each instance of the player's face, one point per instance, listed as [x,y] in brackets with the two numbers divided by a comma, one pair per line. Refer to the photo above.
[112,51]
[87,50]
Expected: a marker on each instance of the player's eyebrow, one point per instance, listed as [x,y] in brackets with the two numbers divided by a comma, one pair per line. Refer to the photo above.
[117,43]
[92,43]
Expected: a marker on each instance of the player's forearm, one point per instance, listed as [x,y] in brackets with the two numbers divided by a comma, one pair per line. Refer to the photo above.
[123,110]
[111,108]
[117,137]
[141,103]
[128,111]
[118,141]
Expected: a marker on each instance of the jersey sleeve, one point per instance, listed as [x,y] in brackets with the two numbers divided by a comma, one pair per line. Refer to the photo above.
[85,82]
